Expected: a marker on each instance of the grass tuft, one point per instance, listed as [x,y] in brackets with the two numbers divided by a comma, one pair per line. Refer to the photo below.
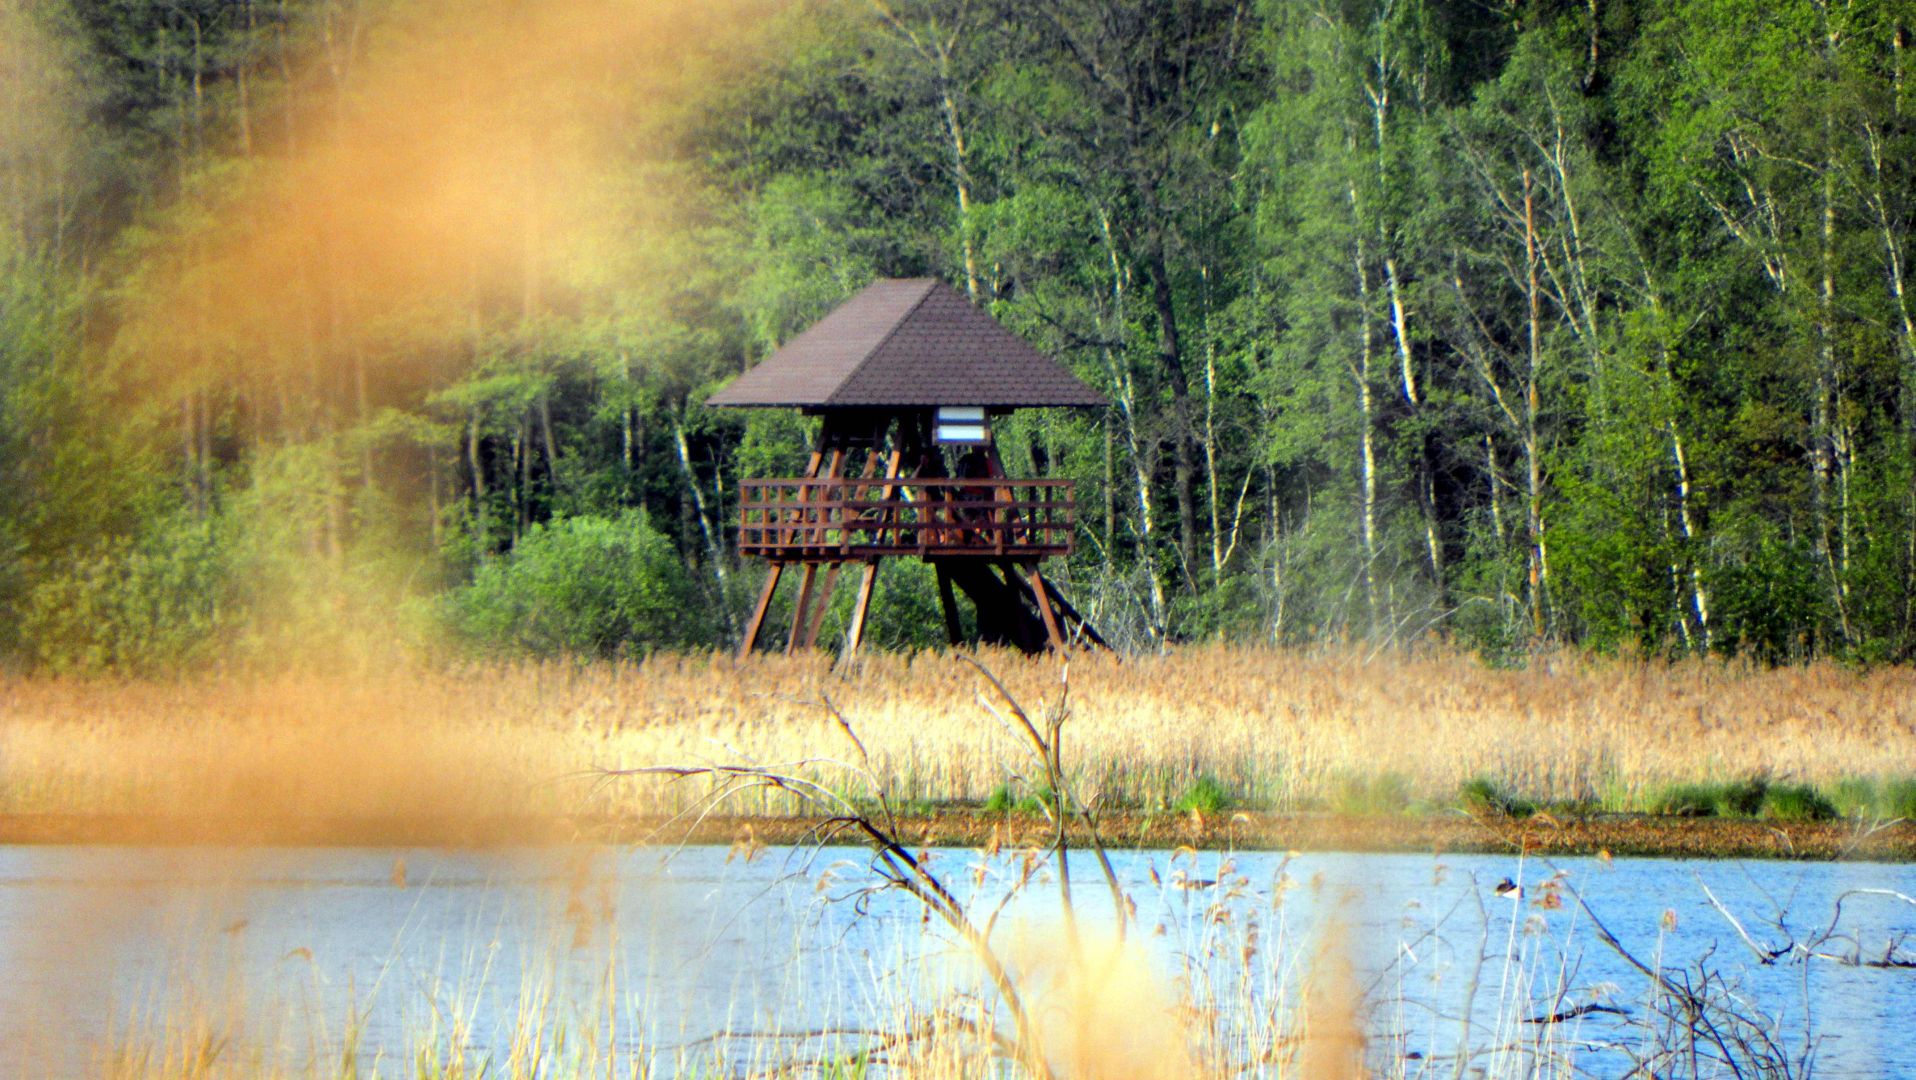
[1797,802]
[1373,796]
[1005,800]
[1205,795]
[1482,795]
[1723,798]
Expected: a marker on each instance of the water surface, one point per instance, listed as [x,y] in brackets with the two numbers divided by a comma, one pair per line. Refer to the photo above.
[304,955]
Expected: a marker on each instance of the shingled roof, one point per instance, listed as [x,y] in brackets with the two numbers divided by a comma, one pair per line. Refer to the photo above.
[906,342]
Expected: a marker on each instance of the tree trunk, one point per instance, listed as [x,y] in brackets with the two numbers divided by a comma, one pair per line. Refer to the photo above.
[961,179]
[432,497]
[1494,476]
[715,555]
[1367,463]
[1827,442]
[1699,594]
[472,459]
[1127,408]
[551,444]
[1110,485]
[1210,449]
[362,412]
[1433,534]
[189,454]
[521,454]
[1532,448]
[243,110]
[1171,356]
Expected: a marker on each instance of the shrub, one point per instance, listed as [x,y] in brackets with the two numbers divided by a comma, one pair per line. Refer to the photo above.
[590,586]
[157,602]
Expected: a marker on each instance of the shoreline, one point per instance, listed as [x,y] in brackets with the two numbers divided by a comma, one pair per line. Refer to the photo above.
[1620,835]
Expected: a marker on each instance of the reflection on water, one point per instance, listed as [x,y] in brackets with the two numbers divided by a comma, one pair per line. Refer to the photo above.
[306,956]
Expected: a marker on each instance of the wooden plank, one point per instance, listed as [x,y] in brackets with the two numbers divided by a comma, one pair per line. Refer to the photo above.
[863,609]
[798,610]
[823,601]
[1044,608]
[750,641]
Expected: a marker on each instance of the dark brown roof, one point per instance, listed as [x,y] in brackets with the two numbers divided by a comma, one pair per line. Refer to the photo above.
[906,342]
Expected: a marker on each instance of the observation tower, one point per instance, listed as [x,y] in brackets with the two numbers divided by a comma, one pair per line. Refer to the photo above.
[906,378]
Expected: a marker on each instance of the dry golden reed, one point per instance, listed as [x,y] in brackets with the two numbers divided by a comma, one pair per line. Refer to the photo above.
[455,159]
[1333,1041]
[1104,1013]
[1279,729]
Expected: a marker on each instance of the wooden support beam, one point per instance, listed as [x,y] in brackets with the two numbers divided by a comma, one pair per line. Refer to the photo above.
[1038,593]
[799,609]
[750,640]
[862,609]
[954,630]
[823,601]
[1072,615]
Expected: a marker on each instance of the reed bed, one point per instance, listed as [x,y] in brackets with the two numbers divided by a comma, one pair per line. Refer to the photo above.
[1269,729]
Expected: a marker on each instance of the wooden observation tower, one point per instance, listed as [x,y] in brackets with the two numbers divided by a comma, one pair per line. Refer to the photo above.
[906,378]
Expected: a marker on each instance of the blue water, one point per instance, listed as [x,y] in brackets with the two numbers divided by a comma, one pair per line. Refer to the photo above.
[292,956]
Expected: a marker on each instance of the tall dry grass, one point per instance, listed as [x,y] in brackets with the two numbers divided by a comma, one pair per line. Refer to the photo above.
[1278,729]
[1230,986]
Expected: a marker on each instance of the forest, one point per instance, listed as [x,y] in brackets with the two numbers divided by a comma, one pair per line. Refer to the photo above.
[337,327]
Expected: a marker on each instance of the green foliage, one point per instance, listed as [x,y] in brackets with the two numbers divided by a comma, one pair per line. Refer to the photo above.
[1373,796]
[1897,799]
[1206,795]
[586,586]
[1877,799]
[1482,795]
[855,1067]
[1745,798]
[164,601]
[1797,802]
[1685,800]
[1290,243]
[1005,799]
[1756,797]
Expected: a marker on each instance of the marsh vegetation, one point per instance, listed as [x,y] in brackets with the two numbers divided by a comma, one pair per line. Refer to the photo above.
[863,953]
[1215,729]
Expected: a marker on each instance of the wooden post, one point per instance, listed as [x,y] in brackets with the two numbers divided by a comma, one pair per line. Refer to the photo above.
[824,601]
[750,641]
[862,609]
[954,630]
[799,609]
[1044,608]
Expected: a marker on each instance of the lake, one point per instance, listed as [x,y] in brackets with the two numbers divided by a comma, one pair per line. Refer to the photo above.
[562,959]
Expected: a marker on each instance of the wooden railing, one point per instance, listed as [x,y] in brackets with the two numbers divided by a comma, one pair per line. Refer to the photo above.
[848,519]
